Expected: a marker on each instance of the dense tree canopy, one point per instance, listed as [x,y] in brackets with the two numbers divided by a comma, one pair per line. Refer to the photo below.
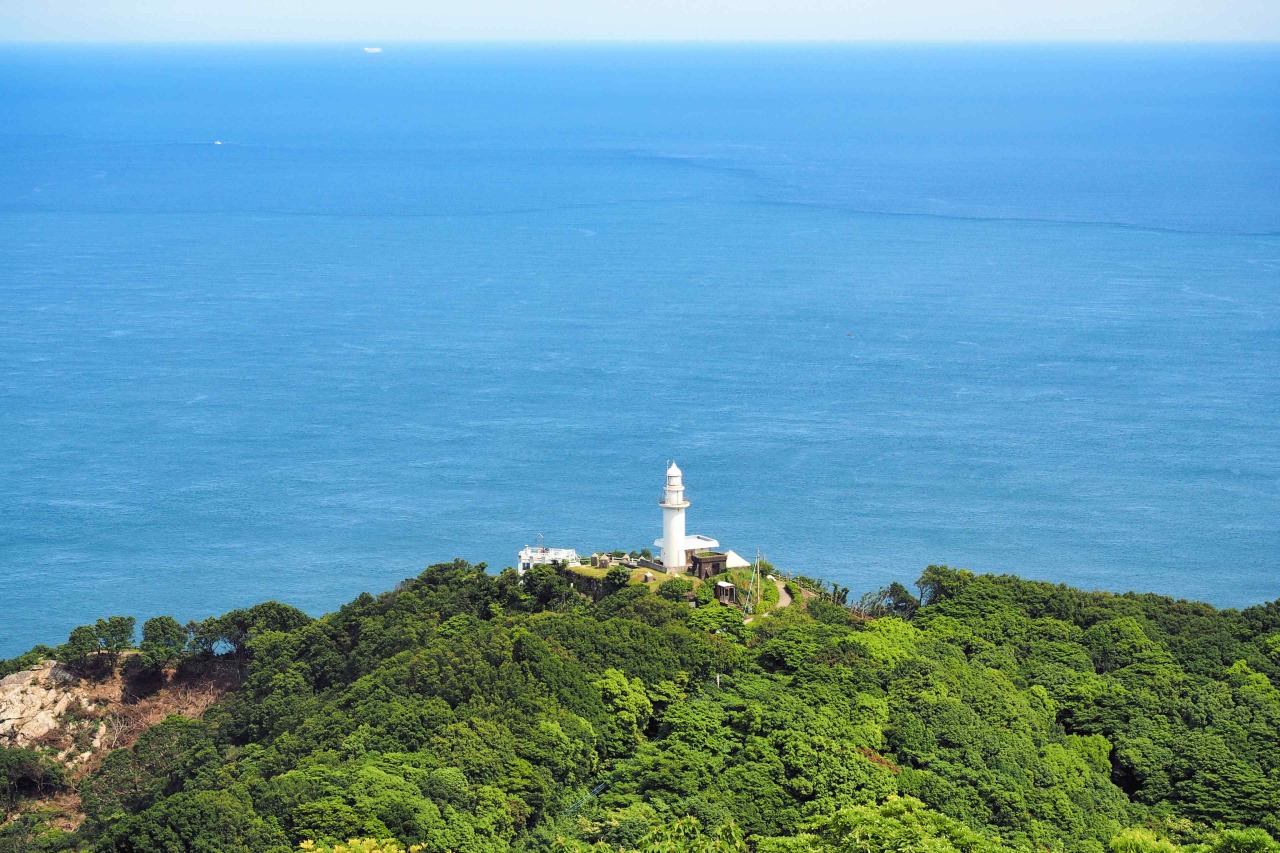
[474,712]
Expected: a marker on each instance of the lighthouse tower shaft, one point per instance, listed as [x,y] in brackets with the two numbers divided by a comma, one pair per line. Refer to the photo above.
[673,506]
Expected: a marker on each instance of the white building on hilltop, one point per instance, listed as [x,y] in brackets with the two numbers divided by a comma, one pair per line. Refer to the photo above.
[675,545]
[539,556]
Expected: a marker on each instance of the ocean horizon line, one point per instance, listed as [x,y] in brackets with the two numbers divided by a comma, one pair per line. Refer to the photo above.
[711,42]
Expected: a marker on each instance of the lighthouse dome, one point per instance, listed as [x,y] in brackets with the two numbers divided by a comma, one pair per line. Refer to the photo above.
[674,470]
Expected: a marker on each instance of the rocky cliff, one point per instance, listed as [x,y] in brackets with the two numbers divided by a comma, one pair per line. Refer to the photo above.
[49,707]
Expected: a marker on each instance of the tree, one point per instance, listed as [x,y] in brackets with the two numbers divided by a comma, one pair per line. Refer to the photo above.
[892,600]
[81,645]
[232,631]
[629,707]
[1141,841]
[164,642]
[900,601]
[130,780]
[899,825]
[547,587]
[615,579]
[676,589]
[26,773]
[827,611]
[719,618]
[199,821]
[360,845]
[115,634]
[1272,645]
[941,582]
[1244,841]
[207,636]
[331,818]
[1117,643]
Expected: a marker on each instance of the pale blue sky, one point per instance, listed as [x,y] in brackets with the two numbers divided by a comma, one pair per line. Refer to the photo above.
[781,20]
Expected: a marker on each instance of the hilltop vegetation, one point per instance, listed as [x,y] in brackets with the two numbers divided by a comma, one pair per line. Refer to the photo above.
[470,712]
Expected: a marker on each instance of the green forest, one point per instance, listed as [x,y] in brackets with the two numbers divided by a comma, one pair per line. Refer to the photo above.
[467,711]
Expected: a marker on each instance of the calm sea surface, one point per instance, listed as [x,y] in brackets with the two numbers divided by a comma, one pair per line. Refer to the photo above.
[1014,309]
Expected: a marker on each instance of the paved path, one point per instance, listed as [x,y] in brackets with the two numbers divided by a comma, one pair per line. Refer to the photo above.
[784,597]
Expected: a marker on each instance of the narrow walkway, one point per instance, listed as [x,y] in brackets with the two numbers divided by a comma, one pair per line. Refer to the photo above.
[784,597]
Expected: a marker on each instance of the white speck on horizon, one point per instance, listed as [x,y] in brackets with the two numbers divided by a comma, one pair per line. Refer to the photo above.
[690,20]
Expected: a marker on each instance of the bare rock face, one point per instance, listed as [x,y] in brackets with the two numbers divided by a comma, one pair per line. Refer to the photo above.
[32,704]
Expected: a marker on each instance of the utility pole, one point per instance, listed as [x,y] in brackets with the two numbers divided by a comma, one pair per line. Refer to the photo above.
[751,606]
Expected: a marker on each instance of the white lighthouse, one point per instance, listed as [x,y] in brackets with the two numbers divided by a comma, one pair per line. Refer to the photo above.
[675,544]
[673,506]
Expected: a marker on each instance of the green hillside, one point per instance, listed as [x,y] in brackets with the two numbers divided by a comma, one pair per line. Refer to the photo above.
[471,712]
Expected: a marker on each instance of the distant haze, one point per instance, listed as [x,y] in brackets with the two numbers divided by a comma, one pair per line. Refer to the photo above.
[641,20]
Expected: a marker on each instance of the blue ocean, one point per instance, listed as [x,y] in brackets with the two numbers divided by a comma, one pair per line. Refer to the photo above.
[294,322]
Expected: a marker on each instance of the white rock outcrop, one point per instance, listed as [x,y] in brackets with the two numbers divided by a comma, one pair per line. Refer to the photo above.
[31,705]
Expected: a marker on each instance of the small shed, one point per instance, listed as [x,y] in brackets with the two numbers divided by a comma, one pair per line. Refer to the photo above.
[726,593]
[706,564]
